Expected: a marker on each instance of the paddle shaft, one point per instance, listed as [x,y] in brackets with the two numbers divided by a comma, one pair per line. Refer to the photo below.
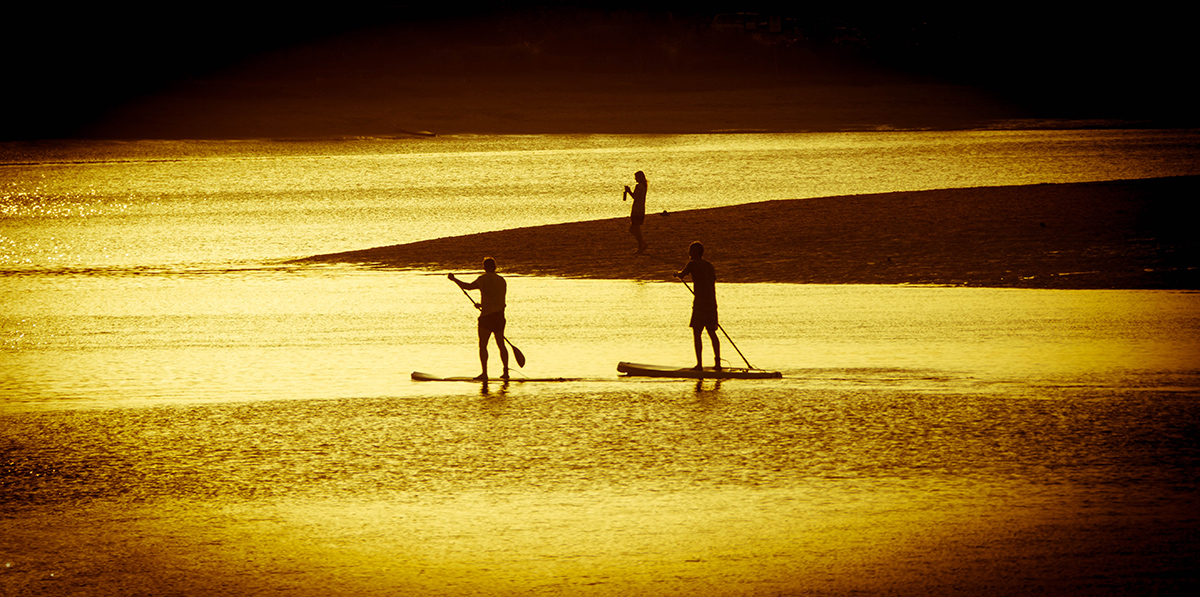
[723,332]
[516,351]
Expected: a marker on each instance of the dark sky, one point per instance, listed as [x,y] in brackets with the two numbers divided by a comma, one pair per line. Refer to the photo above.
[67,67]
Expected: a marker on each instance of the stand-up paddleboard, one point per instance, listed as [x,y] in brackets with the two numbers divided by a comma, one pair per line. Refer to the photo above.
[418,376]
[640,370]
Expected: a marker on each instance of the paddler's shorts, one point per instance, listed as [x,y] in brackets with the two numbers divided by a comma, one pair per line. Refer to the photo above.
[493,322]
[704,317]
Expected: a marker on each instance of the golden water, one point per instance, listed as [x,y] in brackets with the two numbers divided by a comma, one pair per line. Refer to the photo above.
[183,413]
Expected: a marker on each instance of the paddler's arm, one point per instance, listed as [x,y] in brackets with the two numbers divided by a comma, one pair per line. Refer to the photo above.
[466,286]
[461,284]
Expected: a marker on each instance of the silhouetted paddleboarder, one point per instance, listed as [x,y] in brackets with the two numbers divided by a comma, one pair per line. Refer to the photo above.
[638,214]
[704,305]
[492,291]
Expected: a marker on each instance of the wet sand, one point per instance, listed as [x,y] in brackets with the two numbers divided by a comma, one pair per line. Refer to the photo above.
[1120,234]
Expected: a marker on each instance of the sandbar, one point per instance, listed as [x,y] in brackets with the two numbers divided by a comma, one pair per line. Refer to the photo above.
[1124,234]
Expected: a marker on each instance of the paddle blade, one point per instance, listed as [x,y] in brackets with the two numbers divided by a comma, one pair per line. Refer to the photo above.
[517,353]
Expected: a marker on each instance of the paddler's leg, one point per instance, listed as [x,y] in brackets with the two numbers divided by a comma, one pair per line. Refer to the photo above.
[699,347]
[503,353]
[716,344]
[484,334]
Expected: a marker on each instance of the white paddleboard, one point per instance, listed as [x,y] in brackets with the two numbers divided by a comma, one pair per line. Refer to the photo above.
[642,370]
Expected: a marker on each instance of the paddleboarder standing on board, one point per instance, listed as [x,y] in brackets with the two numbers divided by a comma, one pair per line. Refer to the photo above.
[492,290]
[704,305]
[638,214]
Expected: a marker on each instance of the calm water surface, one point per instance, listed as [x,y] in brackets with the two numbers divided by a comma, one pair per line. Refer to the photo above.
[183,412]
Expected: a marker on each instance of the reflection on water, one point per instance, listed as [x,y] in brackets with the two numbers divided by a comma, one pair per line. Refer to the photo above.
[348,333]
[180,416]
[168,424]
[620,442]
[645,489]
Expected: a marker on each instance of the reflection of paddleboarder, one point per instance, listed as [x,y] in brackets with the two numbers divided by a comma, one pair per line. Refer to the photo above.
[492,290]
[638,214]
[704,306]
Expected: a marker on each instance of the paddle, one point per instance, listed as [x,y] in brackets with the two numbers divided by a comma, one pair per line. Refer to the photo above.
[516,351]
[723,332]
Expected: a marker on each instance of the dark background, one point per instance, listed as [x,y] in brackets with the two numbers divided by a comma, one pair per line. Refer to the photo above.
[68,68]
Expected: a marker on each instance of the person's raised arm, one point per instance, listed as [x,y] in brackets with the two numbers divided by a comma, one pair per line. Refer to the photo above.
[461,284]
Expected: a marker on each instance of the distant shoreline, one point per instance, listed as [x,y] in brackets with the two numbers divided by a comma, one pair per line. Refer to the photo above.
[319,134]
[1127,234]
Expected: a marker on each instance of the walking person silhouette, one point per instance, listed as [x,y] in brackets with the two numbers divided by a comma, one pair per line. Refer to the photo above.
[638,214]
